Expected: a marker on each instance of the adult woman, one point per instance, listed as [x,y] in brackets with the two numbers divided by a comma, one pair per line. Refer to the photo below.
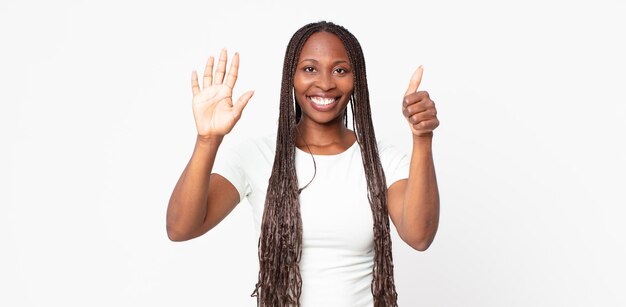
[302,231]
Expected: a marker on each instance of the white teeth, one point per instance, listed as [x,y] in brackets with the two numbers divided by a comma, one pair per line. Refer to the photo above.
[322,101]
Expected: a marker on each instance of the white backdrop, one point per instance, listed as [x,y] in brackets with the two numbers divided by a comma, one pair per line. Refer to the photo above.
[97,126]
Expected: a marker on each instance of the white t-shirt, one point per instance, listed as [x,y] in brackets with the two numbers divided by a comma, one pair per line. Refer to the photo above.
[338,239]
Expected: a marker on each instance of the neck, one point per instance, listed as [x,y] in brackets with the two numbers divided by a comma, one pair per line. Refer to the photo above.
[322,135]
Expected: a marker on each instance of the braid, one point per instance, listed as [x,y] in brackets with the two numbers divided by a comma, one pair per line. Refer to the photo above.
[280,242]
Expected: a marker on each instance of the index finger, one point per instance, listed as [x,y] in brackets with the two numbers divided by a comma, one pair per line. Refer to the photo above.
[416,79]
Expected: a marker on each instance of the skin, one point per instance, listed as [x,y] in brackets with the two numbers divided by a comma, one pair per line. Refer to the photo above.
[323,70]
[413,203]
[200,201]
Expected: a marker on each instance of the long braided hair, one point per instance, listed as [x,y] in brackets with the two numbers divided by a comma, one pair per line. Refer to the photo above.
[280,242]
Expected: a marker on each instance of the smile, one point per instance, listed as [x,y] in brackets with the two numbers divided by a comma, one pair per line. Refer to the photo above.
[322,103]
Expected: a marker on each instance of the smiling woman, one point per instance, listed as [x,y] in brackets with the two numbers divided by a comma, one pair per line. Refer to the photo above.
[325,242]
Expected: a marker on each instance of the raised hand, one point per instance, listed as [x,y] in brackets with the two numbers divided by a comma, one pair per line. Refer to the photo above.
[418,108]
[213,108]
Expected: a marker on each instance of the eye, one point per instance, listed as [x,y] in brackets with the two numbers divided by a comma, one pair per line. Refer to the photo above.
[341,70]
[309,69]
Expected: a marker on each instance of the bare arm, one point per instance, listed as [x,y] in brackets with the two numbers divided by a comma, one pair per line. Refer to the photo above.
[201,200]
[414,203]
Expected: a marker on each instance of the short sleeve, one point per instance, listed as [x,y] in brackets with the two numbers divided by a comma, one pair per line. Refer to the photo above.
[395,163]
[230,165]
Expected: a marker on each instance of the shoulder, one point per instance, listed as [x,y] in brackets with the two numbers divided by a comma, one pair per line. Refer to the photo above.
[385,147]
[263,144]
[252,142]
[394,161]
[390,154]
[251,147]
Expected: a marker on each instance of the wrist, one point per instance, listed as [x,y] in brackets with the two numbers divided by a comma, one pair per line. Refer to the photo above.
[423,140]
[209,140]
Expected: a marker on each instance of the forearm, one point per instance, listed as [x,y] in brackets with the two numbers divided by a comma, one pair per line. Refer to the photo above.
[187,207]
[420,217]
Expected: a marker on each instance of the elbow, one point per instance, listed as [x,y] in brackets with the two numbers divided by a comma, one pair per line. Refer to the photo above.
[420,238]
[177,231]
[175,235]
[419,243]
[175,238]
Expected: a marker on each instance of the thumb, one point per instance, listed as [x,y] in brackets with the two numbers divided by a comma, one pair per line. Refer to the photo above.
[416,79]
[242,102]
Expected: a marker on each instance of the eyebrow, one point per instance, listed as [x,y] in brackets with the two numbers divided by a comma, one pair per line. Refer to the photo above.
[316,61]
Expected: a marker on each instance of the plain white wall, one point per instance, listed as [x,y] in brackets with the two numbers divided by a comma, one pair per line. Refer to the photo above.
[97,126]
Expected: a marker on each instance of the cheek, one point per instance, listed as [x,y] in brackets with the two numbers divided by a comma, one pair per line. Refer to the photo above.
[300,84]
[347,85]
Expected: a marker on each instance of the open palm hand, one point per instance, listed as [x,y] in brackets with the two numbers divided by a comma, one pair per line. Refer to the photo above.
[213,108]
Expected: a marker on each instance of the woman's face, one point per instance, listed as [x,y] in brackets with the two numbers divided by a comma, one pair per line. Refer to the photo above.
[323,82]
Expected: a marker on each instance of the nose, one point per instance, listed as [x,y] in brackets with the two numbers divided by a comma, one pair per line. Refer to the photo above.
[326,81]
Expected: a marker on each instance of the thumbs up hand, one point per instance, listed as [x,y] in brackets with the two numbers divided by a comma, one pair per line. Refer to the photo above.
[418,108]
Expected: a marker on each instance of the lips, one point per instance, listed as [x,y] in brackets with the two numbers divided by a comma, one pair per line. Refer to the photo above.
[320,103]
